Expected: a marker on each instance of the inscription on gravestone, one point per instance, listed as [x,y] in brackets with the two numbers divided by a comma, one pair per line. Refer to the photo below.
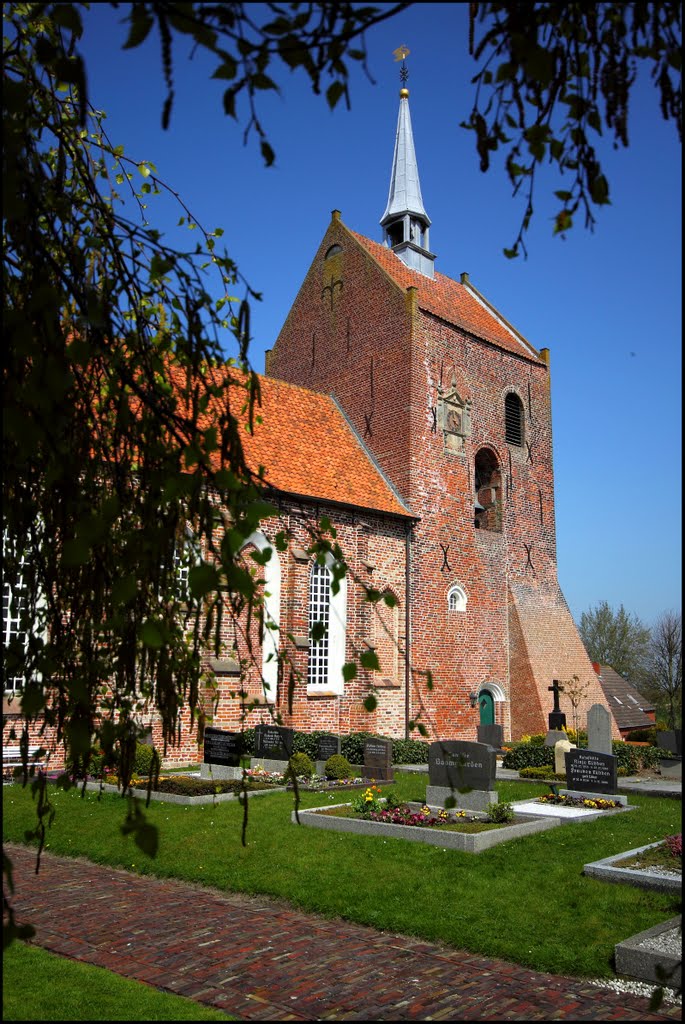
[222,747]
[378,760]
[273,742]
[457,764]
[327,746]
[591,771]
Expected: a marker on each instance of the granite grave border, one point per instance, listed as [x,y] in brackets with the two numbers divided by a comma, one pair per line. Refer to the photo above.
[607,871]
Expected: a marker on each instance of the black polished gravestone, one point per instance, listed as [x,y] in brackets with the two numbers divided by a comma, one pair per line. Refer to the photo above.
[327,746]
[378,760]
[223,748]
[491,735]
[590,771]
[671,741]
[273,742]
[457,764]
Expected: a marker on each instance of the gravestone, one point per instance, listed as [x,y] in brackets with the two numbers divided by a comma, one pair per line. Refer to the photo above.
[671,740]
[556,717]
[221,757]
[491,735]
[561,747]
[273,747]
[326,746]
[461,771]
[590,771]
[378,760]
[553,737]
[599,729]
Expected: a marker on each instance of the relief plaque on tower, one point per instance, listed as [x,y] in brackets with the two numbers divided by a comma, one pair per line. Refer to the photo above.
[454,418]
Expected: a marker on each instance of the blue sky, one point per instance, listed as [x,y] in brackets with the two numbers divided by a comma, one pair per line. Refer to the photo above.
[607,304]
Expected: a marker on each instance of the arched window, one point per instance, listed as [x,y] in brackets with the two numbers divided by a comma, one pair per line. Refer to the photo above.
[488,491]
[456,599]
[333,251]
[327,631]
[271,572]
[513,419]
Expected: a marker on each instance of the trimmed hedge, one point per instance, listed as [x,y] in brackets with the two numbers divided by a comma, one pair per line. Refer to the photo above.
[628,759]
[351,746]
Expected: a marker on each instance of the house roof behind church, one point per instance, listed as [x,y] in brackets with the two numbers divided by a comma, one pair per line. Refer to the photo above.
[452,301]
[627,704]
[309,449]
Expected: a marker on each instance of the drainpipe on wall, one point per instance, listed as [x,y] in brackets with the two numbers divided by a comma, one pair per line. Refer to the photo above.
[407,630]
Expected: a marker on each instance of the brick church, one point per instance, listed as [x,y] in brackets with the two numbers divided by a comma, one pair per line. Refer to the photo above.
[425,434]
[400,404]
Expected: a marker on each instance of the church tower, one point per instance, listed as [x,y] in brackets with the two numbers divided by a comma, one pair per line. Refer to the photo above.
[454,404]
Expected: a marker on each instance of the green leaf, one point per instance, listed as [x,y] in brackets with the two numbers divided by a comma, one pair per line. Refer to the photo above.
[268,154]
[318,631]
[349,671]
[333,93]
[151,634]
[370,703]
[141,23]
[228,69]
[369,659]
[203,579]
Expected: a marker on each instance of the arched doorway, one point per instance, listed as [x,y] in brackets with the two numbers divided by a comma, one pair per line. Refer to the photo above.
[486,704]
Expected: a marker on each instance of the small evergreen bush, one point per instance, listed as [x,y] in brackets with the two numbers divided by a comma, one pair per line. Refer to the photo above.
[352,746]
[500,813]
[338,767]
[144,759]
[300,766]
[541,773]
[409,752]
[643,736]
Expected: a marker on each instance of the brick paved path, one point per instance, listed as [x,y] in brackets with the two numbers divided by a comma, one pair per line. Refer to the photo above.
[259,960]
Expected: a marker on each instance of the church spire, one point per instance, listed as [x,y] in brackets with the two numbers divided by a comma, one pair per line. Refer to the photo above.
[405,222]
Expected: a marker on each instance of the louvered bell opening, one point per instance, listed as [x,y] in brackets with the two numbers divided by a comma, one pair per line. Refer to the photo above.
[513,420]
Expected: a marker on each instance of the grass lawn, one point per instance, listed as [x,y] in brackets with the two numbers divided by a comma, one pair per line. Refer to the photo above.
[526,901]
[40,986]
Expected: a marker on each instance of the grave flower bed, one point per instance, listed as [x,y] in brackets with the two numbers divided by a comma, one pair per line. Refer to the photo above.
[595,803]
[411,815]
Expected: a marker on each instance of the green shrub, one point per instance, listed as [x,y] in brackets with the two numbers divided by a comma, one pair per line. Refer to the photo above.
[643,736]
[300,766]
[143,761]
[579,738]
[536,740]
[528,755]
[500,813]
[352,746]
[541,773]
[337,767]
[409,752]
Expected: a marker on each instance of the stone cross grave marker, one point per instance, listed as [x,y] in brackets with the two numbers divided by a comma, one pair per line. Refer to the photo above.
[378,760]
[589,771]
[599,729]
[556,718]
[462,771]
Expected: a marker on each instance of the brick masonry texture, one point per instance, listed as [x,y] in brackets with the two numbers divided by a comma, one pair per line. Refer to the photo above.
[390,344]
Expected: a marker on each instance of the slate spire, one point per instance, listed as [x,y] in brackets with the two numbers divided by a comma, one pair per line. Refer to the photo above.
[405,222]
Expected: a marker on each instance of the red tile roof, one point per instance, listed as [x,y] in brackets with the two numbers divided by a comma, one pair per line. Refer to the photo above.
[451,301]
[308,449]
[627,704]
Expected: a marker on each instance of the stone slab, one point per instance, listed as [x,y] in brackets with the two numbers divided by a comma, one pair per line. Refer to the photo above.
[535,809]
[467,800]
[220,771]
[468,843]
[640,956]
[608,871]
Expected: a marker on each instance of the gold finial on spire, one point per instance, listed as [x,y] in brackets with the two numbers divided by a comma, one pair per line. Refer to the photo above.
[401,53]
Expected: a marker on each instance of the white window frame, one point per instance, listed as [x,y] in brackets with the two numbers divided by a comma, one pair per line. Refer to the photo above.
[456,598]
[272,614]
[335,638]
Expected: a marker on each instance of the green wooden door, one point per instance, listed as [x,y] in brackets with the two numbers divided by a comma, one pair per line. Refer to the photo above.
[487,709]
